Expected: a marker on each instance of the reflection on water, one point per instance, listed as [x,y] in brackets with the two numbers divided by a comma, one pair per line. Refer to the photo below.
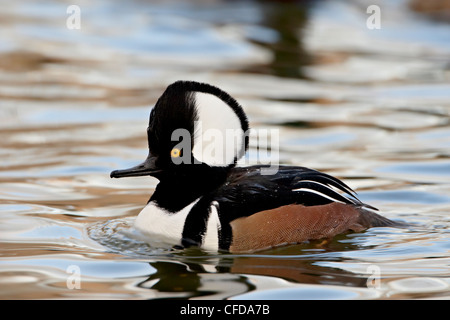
[370,106]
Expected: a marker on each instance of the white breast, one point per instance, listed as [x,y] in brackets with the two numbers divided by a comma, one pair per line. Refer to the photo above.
[211,237]
[164,229]
[160,227]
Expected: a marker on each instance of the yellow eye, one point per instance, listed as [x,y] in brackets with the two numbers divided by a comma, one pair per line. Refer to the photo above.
[175,153]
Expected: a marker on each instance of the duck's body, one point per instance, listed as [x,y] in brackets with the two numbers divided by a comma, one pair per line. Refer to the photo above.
[208,202]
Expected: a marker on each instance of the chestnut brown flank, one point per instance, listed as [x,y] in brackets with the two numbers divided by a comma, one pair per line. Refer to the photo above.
[295,224]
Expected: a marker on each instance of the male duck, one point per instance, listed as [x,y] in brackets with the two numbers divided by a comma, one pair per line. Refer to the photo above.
[204,200]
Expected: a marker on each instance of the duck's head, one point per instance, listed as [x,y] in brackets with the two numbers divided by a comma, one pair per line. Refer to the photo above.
[193,125]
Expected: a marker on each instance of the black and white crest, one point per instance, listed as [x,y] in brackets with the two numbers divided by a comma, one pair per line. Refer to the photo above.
[215,122]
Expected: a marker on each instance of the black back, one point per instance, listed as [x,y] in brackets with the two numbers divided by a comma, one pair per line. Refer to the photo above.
[246,191]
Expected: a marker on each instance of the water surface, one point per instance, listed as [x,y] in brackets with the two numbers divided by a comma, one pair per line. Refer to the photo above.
[369,106]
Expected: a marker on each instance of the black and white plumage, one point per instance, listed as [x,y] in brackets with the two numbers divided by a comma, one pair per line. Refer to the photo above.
[206,201]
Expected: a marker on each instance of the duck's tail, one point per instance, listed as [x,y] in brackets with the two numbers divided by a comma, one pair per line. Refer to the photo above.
[368,218]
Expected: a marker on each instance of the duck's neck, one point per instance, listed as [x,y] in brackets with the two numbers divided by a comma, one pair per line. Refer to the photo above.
[178,190]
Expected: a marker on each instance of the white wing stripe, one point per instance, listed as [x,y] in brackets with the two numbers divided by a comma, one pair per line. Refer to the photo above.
[318,193]
[322,184]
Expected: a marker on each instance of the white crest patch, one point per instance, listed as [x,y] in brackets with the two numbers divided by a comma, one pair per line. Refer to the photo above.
[218,136]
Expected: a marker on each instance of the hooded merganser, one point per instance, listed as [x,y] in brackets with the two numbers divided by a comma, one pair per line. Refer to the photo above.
[202,198]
